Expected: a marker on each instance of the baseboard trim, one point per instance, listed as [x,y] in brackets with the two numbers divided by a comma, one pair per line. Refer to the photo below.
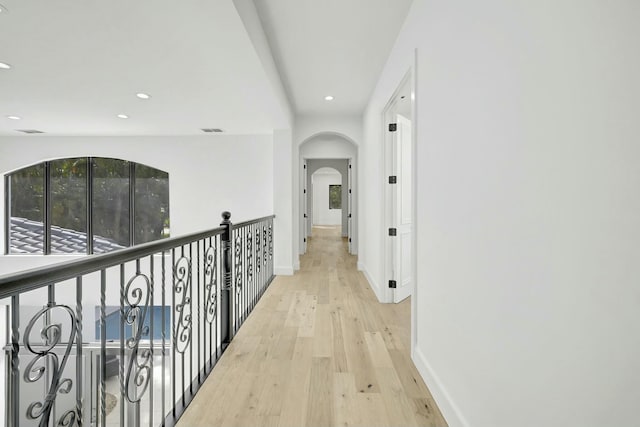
[283,271]
[372,283]
[360,266]
[448,408]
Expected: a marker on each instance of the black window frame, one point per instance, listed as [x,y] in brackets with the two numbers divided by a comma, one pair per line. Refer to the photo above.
[47,224]
[339,198]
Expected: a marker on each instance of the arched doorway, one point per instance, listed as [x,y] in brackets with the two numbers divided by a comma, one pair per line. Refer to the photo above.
[340,153]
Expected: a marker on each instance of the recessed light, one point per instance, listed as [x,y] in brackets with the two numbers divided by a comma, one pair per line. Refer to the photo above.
[122,116]
[3,9]
[14,117]
[328,98]
[142,95]
[4,65]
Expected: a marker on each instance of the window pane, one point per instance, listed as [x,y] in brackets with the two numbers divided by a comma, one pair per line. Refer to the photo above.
[110,204]
[152,204]
[69,206]
[26,226]
[335,197]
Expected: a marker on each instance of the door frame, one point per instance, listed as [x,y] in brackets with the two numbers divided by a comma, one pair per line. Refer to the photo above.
[409,77]
[349,184]
[305,206]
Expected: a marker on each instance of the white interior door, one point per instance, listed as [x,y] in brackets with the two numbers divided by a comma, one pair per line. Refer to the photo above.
[305,209]
[398,205]
[349,209]
[402,209]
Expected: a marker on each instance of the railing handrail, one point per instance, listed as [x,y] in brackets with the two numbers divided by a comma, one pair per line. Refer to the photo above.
[28,280]
[252,221]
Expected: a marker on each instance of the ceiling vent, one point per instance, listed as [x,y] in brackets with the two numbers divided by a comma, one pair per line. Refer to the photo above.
[212,130]
[29,131]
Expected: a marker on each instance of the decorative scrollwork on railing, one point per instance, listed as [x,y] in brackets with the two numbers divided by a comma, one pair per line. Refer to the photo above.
[238,262]
[258,251]
[47,361]
[68,419]
[249,266]
[264,244]
[211,283]
[270,240]
[136,300]
[182,309]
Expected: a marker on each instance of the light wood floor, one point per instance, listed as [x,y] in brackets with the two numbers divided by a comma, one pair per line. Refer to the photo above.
[318,350]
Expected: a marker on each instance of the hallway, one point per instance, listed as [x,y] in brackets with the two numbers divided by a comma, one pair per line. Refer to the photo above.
[318,350]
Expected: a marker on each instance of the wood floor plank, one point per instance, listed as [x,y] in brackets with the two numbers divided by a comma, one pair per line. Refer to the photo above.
[371,410]
[339,354]
[344,394]
[318,350]
[296,398]
[323,346]
[378,350]
[320,411]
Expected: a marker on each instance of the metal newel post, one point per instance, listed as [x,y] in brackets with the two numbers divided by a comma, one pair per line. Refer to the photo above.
[226,293]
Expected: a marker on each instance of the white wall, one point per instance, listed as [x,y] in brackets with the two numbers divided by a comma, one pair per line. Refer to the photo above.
[207,174]
[307,127]
[283,202]
[328,147]
[528,303]
[322,215]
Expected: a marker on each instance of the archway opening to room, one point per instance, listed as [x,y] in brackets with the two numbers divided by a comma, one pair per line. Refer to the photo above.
[338,152]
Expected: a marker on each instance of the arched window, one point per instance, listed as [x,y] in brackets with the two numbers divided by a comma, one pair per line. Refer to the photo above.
[84,205]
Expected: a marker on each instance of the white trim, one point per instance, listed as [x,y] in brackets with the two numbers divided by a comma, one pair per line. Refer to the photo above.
[296,265]
[372,283]
[450,411]
[283,271]
[414,201]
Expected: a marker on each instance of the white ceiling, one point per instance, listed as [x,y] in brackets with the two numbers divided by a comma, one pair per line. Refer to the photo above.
[331,47]
[77,64]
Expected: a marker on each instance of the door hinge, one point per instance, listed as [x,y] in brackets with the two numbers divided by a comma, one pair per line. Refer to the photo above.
[349,215]
[393,127]
[393,231]
[304,191]
[349,191]
[349,239]
[305,215]
[349,166]
[305,166]
[392,284]
[393,179]
[305,240]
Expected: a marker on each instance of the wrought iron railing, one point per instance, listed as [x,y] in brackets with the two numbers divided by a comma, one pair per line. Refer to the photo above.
[127,338]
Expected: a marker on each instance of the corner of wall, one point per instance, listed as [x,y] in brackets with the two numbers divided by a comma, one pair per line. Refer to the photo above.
[450,411]
[374,285]
[282,271]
